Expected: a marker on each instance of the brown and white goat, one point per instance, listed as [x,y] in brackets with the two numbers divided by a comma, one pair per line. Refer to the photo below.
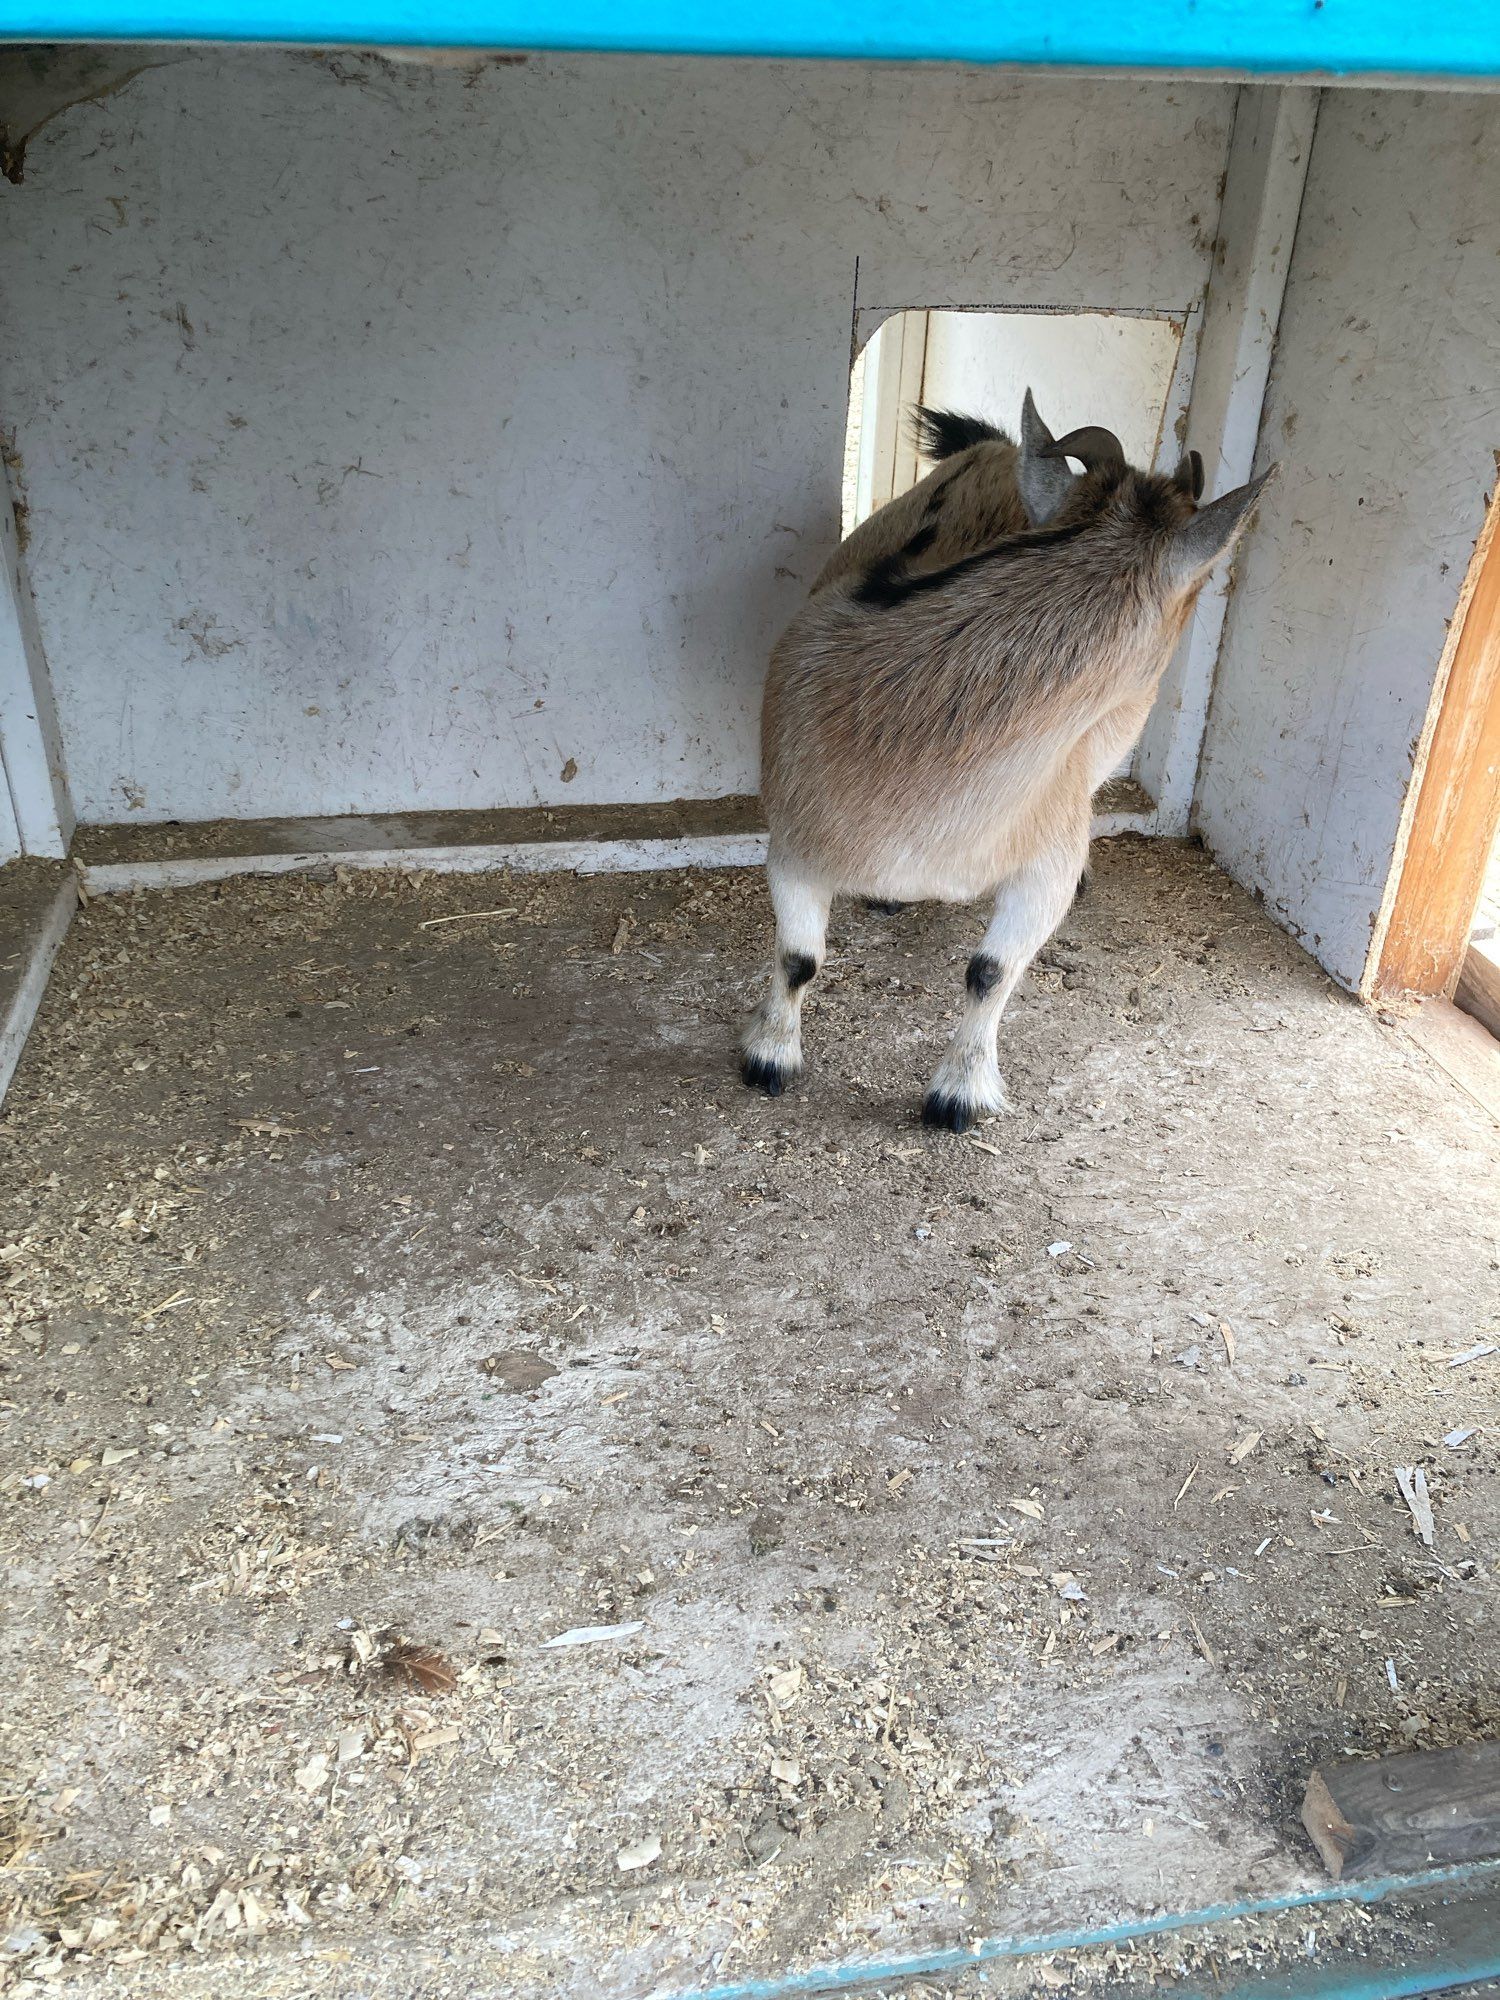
[973,662]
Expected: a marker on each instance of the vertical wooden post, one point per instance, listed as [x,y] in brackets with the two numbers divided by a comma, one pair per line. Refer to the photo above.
[1267,171]
[894,363]
[1453,805]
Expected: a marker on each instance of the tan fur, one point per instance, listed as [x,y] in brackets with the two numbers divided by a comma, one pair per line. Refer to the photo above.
[981,505]
[939,714]
[908,751]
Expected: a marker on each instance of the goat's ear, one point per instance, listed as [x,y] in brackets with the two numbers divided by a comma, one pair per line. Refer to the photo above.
[1045,482]
[1189,475]
[1213,530]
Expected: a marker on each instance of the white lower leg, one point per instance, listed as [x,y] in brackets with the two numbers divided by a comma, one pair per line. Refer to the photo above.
[772,1041]
[1028,908]
[966,1085]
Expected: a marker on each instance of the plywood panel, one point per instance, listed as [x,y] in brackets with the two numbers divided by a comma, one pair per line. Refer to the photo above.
[1384,408]
[401,438]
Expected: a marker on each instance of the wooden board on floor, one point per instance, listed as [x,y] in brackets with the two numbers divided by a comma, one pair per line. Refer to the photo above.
[1457,1043]
[37,902]
[1478,990]
[677,819]
[1393,1815]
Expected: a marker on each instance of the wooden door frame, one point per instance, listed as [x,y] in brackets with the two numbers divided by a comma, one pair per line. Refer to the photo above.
[893,386]
[1453,804]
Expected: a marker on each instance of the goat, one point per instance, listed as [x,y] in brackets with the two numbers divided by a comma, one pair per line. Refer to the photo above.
[971,665]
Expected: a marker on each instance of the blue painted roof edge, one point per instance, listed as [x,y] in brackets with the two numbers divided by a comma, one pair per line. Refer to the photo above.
[1305,38]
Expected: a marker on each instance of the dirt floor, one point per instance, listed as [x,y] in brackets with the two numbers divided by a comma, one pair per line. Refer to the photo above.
[490,1506]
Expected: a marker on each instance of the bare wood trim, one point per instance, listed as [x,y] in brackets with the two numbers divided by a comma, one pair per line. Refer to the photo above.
[1394,1814]
[1454,812]
[1478,991]
[900,363]
[1464,1051]
[593,840]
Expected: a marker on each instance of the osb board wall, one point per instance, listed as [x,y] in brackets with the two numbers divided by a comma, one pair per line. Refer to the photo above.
[394,437]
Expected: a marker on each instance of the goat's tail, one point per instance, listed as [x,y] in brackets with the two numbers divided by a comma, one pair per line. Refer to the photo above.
[943,434]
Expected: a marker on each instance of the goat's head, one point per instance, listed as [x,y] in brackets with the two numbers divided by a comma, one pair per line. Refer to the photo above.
[1187,539]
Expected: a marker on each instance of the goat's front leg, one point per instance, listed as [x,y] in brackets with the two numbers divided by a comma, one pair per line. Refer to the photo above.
[1029,906]
[772,1042]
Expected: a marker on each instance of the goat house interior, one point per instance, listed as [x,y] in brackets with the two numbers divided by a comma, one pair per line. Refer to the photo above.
[489,1505]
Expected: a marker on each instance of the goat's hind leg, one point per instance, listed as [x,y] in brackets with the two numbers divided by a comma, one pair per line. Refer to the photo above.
[771,1046]
[1029,906]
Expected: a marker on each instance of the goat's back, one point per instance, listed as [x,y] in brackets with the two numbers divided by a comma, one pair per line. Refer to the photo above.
[968,502]
[918,717]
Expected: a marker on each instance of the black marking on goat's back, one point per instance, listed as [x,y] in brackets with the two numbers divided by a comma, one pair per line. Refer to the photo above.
[799,969]
[944,434]
[984,975]
[888,583]
[882,583]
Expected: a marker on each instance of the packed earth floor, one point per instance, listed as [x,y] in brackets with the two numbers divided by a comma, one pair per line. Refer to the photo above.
[489,1506]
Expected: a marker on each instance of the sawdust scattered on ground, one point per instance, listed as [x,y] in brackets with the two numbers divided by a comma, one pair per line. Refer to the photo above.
[986,1535]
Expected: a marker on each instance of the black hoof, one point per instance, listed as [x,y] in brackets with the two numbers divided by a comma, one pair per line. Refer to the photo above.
[761,1073]
[880,909]
[948,1114]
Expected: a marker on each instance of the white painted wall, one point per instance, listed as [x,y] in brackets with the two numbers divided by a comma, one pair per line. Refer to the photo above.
[1384,406]
[392,437]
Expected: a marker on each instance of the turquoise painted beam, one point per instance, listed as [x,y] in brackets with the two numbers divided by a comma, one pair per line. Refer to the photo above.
[1309,38]
[1459,1909]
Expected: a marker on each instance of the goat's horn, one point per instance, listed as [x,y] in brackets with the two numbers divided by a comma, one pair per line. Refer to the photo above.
[1099,449]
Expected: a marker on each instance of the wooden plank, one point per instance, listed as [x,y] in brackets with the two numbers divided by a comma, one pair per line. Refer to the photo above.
[1456,1042]
[527,857]
[37,903]
[1269,151]
[1457,811]
[1393,1815]
[358,833]
[1478,990]
[590,840]
[896,359]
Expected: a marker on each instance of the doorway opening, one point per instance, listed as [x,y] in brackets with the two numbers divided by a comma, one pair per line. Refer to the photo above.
[1122,369]
[1110,368]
